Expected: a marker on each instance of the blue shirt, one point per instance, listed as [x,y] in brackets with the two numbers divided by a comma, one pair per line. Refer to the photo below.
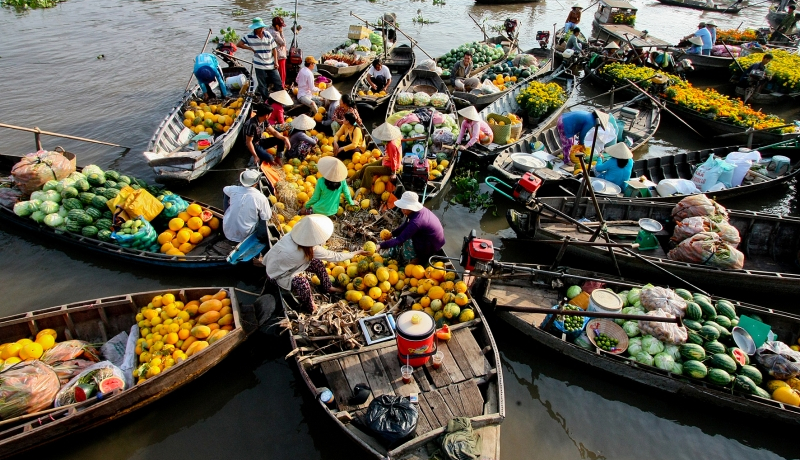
[207,69]
[262,50]
[713,32]
[609,171]
[578,122]
[705,35]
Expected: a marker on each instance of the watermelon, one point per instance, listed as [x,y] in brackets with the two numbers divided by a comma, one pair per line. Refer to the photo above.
[104,235]
[86,197]
[722,361]
[93,212]
[89,231]
[692,351]
[112,175]
[723,322]
[103,224]
[85,219]
[683,294]
[714,347]
[692,325]
[739,355]
[69,192]
[694,338]
[693,311]
[72,203]
[694,369]
[82,185]
[96,180]
[75,214]
[708,332]
[120,185]
[111,193]
[125,179]
[718,377]
[761,393]
[72,226]
[110,384]
[752,373]
[111,183]
[99,202]
[107,214]
[735,322]
[98,190]
[726,309]
[709,312]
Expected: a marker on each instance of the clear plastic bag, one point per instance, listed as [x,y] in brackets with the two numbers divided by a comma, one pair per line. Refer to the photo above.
[655,298]
[92,376]
[173,205]
[669,333]
[66,370]
[689,227]
[70,349]
[778,360]
[27,388]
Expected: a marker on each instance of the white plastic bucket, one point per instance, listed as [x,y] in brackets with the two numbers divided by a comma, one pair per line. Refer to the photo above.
[741,168]
[236,82]
[605,301]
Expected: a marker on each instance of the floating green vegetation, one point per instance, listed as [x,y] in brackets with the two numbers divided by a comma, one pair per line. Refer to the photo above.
[467,191]
[30,4]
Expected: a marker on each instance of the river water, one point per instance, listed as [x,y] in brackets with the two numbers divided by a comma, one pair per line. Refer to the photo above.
[111,70]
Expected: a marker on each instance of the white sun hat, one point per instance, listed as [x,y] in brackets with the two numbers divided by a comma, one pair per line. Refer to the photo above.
[332,169]
[387,132]
[303,122]
[470,113]
[410,201]
[249,177]
[312,230]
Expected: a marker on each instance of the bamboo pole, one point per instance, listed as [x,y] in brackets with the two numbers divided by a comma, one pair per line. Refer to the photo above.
[38,132]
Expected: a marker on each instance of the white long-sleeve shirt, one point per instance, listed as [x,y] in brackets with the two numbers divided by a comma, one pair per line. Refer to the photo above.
[246,206]
[305,83]
[286,260]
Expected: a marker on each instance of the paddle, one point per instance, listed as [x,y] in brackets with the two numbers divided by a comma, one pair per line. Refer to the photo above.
[413,42]
[201,52]
[485,36]
[663,107]
[38,132]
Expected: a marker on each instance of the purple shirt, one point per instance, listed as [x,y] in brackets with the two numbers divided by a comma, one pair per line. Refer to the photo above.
[425,232]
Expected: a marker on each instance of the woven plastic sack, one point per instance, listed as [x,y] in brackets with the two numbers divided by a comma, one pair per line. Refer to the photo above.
[659,298]
[525,60]
[34,169]
[698,205]
[27,388]
[173,205]
[709,249]
[501,132]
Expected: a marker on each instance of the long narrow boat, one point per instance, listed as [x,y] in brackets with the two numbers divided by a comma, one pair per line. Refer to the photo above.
[702,63]
[340,73]
[702,5]
[425,80]
[769,242]
[501,40]
[640,116]
[482,100]
[400,62]
[469,384]
[213,252]
[536,290]
[96,321]
[767,98]
[508,104]
[165,152]
[775,18]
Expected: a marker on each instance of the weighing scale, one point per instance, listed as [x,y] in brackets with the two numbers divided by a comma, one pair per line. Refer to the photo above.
[646,237]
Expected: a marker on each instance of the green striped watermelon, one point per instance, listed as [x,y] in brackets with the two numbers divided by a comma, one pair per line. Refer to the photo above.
[692,351]
[694,369]
[752,373]
[722,361]
[693,311]
[726,308]
[719,377]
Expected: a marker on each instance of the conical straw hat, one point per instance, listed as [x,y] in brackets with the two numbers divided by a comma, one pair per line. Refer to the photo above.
[312,230]
[603,118]
[387,132]
[332,169]
[619,150]
[469,113]
[303,122]
[282,97]
[331,93]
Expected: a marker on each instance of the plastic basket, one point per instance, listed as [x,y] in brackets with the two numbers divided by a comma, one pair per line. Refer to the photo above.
[501,132]
[516,128]
[610,329]
[358,32]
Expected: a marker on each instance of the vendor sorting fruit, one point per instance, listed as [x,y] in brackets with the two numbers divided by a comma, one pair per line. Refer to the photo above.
[300,251]
[325,199]
[248,210]
[420,236]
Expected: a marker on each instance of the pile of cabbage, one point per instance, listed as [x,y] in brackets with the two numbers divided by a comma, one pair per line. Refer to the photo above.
[44,206]
[405,98]
[421,99]
[439,100]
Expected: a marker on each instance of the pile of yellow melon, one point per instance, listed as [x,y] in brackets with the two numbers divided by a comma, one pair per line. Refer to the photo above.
[369,93]
[26,349]
[171,331]
[212,119]
[500,81]
[187,230]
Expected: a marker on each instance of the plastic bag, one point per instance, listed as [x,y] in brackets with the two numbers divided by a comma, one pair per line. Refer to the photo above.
[712,171]
[173,205]
[129,359]
[708,248]
[487,87]
[91,376]
[70,349]
[669,333]
[114,349]
[136,203]
[779,360]
[391,418]
[559,325]
[66,370]
[584,342]
[690,226]
[443,136]
[590,286]
[27,388]
[669,187]
[525,60]
[142,239]
[427,64]
[34,169]
[727,233]
[9,196]
[699,205]
[655,298]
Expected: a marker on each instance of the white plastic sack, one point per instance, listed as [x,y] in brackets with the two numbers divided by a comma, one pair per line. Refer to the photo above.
[114,349]
[744,154]
[130,358]
[712,171]
[669,187]
[604,136]
[427,64]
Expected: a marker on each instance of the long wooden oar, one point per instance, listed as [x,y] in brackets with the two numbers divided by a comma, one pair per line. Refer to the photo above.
[413,42]
[38,131]
[663,107]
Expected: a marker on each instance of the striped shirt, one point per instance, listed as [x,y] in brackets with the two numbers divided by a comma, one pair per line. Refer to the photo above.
[262,50]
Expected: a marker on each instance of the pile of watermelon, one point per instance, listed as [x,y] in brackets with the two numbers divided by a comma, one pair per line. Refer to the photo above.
[482,54]
[507,69]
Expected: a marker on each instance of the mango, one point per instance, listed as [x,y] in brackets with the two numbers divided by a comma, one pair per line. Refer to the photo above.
[201,332]
[210,305]
[208,317]
[195,347]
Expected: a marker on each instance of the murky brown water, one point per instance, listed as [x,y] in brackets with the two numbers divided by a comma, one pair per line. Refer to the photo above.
[252,404]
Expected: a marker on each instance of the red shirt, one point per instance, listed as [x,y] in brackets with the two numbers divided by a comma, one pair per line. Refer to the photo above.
[394,154]
[276,117]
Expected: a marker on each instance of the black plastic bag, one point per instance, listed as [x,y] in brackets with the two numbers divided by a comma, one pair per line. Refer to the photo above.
[391,418]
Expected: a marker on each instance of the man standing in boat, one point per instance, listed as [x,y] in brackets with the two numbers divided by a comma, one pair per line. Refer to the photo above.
[705,36]
[573,18]
[265,57]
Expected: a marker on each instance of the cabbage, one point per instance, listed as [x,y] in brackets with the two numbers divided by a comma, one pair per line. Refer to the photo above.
[633,295]
[34,204]
[38,195]
[64,183]
[48,207]
[38,216]
[631,328]
[573,291]
[677,368]
[663,361]
[52,195]
[403,98]
[439,100]
[634,346]
[76,176]
[24,209]
[624,296]
[49,185]
[62,211]
[419,128]
[629,311]
[53,220]
[644,358]
[638,305]
[421,99]
[92,169]
[652,345]
[673,351]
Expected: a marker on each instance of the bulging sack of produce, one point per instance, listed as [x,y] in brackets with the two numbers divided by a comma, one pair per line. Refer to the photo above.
[439,100]
[690,226]
[173,205]
[68,369]
[712,171]
[525,60]
[136,203]
[657,297]
[779,360]
[708,248]
[421,99]
[669,333]
[27,388]
[698,205]
[35,169]
[427,64]
[136,233]
[87,383]
[70,349]
[391,418]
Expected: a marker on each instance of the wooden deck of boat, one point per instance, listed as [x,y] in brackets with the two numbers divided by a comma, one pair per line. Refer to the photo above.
[444,393]
[523,296]
[622,230]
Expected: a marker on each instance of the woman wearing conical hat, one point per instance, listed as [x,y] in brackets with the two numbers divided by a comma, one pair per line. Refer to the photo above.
[478,130]
[392,161]
[330,188]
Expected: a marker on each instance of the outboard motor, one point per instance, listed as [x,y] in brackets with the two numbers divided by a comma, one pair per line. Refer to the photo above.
[683,66]
[476,253]
[659,83]
[543,37]
[527,186]
[415,172]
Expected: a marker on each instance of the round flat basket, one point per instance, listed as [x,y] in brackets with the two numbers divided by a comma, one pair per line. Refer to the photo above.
[430,90]
[611,329]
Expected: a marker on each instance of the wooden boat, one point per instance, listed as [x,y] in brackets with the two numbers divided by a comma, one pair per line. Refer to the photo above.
[213,252]
[400,62]
[501,40]
[480,101]
[614,20]
[766,98]
[769,242]
[702,5]
[165,152]
[341,73]
[508,104]
[536,290]
[470,384]
[614,12]
[503,2]
[640,116]
[775,18]
[703,63]
[96,321]
[425,81]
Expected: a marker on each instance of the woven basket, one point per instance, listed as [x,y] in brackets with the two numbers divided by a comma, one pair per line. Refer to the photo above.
[501,133]
[611,329]
[516,128]
[428,89]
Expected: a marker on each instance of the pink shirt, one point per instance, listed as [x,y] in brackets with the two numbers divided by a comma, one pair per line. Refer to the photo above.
[476,128]
[276,117]
[393,153]
[305,83]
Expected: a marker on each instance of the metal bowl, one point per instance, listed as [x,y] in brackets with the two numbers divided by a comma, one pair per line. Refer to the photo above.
[604,187]
[650,225]
[526,162]
[743,340]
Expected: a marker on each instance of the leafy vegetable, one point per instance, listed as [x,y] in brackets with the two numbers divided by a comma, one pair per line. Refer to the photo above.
[652,345]
[631,328]
[664,361]
[644,358]
[468,191]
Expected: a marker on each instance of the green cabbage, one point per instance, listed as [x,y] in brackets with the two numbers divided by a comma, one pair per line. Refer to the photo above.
[92,169]
[573,291]
[53,220]
[50,185]
[24,209]
[62,211]
[633,295]
[644,358]
[652,345]
[38,195]
[624,296]
[48,207]
[38,216]
[674,351]
[631,328]
[634,346]
[52,195]
[664,361]
[677,368]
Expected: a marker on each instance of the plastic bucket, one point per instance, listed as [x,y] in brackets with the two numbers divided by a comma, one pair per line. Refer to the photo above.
[605,301]
[741,168]
[236,82]
[415,337]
